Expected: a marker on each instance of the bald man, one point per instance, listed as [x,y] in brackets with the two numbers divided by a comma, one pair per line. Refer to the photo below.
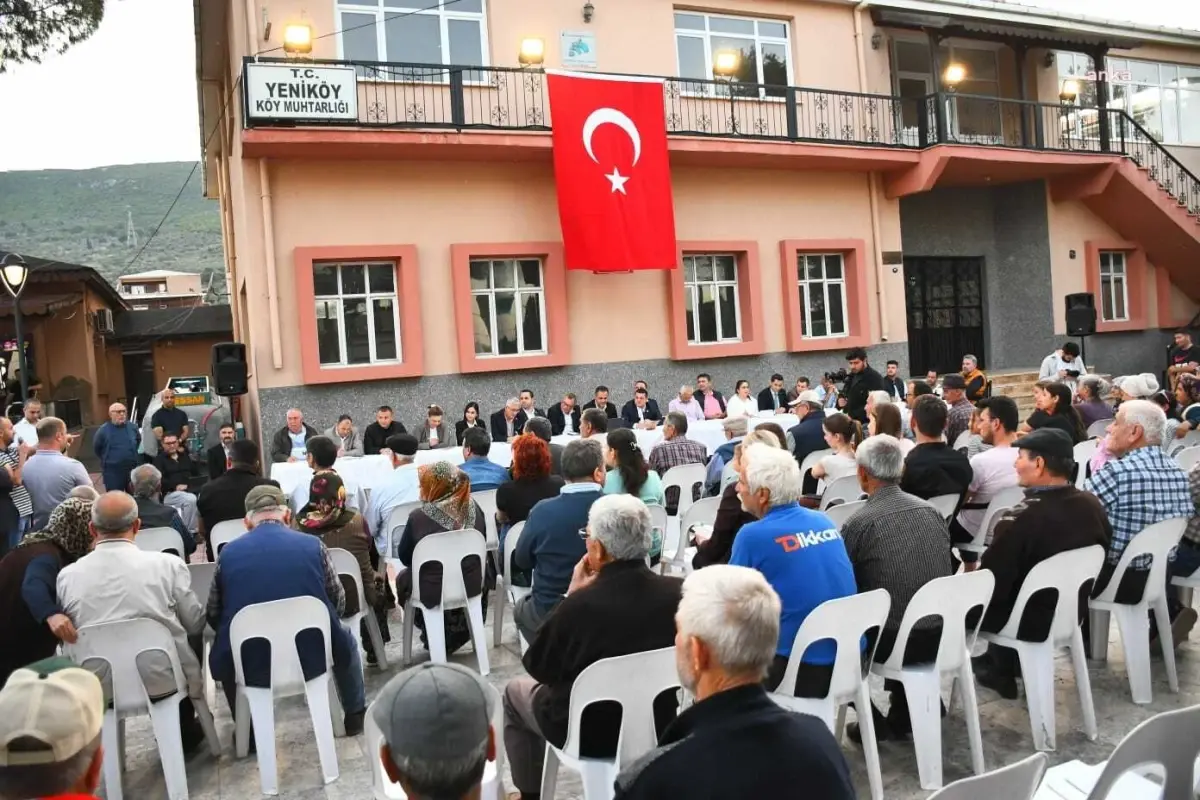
[116,446]
[169,419]
[290,443]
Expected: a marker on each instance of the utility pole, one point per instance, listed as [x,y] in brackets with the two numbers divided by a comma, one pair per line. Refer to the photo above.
[131,237]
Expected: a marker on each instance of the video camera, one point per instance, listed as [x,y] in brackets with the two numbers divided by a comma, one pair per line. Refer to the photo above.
[838,376]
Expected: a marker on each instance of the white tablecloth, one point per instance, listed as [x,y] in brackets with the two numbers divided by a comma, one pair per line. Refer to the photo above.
[709,433]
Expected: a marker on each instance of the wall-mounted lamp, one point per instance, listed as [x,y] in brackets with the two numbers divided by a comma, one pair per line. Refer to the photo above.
[1048,61]
[876,40]
[297,39]
[954,75]
[1069,91]
[725,63]
[532,52]
[589,11]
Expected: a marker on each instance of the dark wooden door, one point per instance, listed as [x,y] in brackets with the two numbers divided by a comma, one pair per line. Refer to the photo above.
[944,300]
[139,381]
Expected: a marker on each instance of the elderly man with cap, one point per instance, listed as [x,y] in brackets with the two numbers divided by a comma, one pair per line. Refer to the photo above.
[808,435]
[274,562]
[954,392]
[51,713]
[1054,517]
[398,488]
[436,721]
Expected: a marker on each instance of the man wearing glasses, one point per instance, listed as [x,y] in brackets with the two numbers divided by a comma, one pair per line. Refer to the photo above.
[116,446]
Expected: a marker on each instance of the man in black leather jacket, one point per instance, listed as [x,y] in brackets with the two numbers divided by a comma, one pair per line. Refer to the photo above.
[863,380]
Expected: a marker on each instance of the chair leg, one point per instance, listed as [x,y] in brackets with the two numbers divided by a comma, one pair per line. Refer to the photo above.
[1084,682]
[1134,625]
[204,714]
[498,611]
[549,773]
[336,712]
[1162,619]
[110,739]
[164,717]
[923,690]
[478,632]
[210,685]
[317,692]
[971,713]
[435,632]
[1098,621]
[1037,672]
[408,631]
[241,724]
[262,716]
[376,636]
[840,724]
[866,725]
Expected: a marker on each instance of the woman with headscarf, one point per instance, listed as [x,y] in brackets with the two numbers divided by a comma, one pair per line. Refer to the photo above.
[33,624]
[1187,396]
[446,505]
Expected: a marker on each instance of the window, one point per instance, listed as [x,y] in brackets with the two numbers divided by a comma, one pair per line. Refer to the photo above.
[1114,292]
[1163,98]
[763,45]
[413,32]
[357,313]
[710,289]
[509,302]
[821,278]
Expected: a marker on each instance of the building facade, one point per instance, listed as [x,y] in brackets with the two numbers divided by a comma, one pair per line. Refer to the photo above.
[161,288]
[922,178]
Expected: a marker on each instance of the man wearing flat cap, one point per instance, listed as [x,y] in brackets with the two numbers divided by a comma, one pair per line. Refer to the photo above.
[1054,517]
[399,487]
[436,721]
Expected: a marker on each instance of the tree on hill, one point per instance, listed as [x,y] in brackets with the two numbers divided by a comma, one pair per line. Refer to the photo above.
[32,29]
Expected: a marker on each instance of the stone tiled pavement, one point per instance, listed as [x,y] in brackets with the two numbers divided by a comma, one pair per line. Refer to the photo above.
[1005,724]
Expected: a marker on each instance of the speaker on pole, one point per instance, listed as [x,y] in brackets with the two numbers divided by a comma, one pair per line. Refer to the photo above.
[1081,314]
[229,370]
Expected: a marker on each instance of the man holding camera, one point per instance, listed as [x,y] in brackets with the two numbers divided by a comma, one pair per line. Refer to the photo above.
[862,380]
[1063,365]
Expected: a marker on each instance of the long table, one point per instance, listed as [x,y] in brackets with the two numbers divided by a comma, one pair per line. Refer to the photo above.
[710,432]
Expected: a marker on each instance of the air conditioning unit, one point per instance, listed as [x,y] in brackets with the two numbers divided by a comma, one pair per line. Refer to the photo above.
[104,321]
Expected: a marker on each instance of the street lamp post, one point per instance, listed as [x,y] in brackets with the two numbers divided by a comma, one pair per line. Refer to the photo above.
[14,273]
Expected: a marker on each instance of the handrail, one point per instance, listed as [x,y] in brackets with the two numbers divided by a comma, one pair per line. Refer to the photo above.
[1120,112]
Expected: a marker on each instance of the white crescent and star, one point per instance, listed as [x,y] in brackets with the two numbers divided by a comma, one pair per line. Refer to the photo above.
[612,116]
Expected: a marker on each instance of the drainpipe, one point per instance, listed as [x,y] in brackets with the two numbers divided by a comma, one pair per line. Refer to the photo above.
[872,181]
[264,187]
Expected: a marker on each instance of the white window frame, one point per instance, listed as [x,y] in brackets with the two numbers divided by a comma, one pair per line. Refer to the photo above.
[805,285]
[518,306]
[692,289]
[1117,77]
[1114,271]
[421,7]
[368,297]
[758,39]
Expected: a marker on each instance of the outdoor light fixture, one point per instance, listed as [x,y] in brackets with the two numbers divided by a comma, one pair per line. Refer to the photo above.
[297,39]
[1069,91]
[954,75]
[725,63]
[532,53]
[876,40]
[589,11]
[14,273]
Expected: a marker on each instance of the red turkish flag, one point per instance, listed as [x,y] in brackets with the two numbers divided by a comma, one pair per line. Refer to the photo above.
[612,173]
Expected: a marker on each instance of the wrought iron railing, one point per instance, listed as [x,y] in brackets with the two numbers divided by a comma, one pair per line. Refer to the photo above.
[1129,138]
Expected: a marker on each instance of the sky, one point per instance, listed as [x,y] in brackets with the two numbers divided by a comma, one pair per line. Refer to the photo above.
[128,94]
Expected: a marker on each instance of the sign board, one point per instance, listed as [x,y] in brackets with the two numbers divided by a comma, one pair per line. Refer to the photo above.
[301,92]
[578,49]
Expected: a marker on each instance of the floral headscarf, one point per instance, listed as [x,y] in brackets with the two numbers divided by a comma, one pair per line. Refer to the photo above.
[446,495]
[67,528]
[326,506]
[1191,386]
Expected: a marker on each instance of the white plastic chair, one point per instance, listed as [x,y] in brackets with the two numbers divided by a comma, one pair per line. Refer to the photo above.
[962,440]
[448,549]
[1065,572]
[728,475]
[202,577]
[492,770]
[633,681]
[346,564]
[1099,428]
[1083,456]
[1187,458]
[843,490]
[1170,739]
[505,591]
[487,504]
[160,540]
[684,478]
[702,512]
[1017,781]
[1186,584]
[1190,439]
[396,522]
[844,511]
[223,533]
[811,461]
[1133,621]
[279,621]
[1002,501]
[950,598]
[845,620]
[659,522]
[946,504]
[119,644]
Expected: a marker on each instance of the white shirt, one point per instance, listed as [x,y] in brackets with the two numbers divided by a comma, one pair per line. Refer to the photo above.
[300,494]
[837,466]
[117,581]
[737,407]
[1053,364]
[994,470]
[398,488]
[26,432]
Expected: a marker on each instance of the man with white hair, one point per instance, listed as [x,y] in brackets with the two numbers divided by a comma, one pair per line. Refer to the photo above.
[899,543]
[687,404]
[801,554]
[615,606]
[1142,485]
[290,443]
[506,423]
[735,741]
[146,483]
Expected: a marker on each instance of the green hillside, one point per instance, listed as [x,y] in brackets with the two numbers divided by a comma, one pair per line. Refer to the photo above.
[81,216]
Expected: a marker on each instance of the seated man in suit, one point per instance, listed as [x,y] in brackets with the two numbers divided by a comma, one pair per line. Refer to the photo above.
[638,413]
[774,397]
[528,409]
[224,499]
[540,427]
[219,456]
[506,423]
[564,417]
[600,400]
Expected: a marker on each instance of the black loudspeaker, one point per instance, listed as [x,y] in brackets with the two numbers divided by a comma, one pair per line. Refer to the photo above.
[1081,314]
[229,371]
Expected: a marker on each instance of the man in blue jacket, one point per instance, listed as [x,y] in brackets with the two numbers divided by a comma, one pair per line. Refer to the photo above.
[808,435]
[116,445]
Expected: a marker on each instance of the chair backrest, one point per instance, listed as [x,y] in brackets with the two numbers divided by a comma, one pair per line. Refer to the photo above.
[843,511]
[449,549]
[962,440]
[659,522]
[845,620]
[119,644]
[202,577]
[633,681]
[397,519]
[1083,456]
[1065,572]
[702,512]
[1171,739]
[160,540]
[1001,501]
[811,460]
[1017,781]
[842,490]
[1155,540]
[487,504]
[1187,458]
[223,533]
[728,475]
[346,564]
[685,477]
[946,504]
[510,546]
[1190,439]
[950,598]
[278,622]
[1099,428]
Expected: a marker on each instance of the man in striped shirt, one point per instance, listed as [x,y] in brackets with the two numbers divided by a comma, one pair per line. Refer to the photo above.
[12,456]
